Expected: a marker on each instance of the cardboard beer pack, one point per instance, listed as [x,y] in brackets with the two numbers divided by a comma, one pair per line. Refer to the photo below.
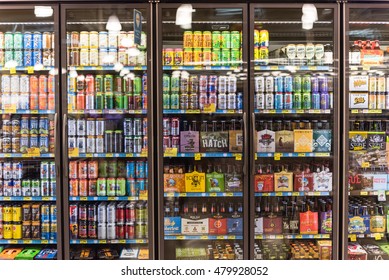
[235,223]
[322,139]
[174,182]
[358,224]
[373,250]
[193,224]
[283,181]
[359,100]
[235,141]
[172,225]
[356,252]
[367,181]
[266,141]
[359,83]
[358,140]
[303,140]
[214,142]
[309,222]
[376,141]
[195,182]
[325,249]
[272,224]
[258,225]
[233,182]
[214,182]
[189,141]
[322,180]
[218,224]
[264,183]
[303,181]
[284,141]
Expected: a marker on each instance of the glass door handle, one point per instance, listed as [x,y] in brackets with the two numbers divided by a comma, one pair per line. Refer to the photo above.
[254,147]
[64,128]
[55,139]
[245,141]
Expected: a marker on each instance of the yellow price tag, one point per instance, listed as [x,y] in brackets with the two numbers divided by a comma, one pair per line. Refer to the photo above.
[34,152]
[74,152]
[209,108]
[364,193]
[143,195]
[45,198]
[34,111]
[354,111]
[300,111]
[299,236]
[7,155]
[204,237]
[99,67]
[83,198]
[277,156]
[238,156]
[12,70]
[197,156]
[274,68]
[229,194]
[7,198]
[171,194]
[278,193]
[377,236]
[102,241]
[366,67]
[27,242]
[130,155]
[122,241]
[143,153]
[28,198]
[10,108]
[170,152]
[140,241]
[30,70]
[279,236]
[83,242]
[312,68]
[111,198]
[180,237]
[183,194]
[230,111]
[109,155]
[255,156]
[365,164]
[220,237]
[46,241]
[301,154]
[213,194]
[233,237]
[13,242]
[295,193]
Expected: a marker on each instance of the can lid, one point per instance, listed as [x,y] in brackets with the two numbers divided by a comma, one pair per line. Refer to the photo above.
[118,131]
[130,223]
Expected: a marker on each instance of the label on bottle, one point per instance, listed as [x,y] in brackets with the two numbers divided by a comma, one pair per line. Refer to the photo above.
[326,222]
[328,57]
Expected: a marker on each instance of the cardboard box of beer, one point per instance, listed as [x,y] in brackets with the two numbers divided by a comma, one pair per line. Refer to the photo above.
[359,83]
[325,249]
[189,141]
[264,183]
[195,182]
[359,100]
[193,225]
[266,141]
[172,225]
[214,182]
[235,224]
[284,141]
[236,141]
[214,142]
[322,139]
[174,182]
[283,181]
[322,181]
[303,181]
[218,225]
[303,140]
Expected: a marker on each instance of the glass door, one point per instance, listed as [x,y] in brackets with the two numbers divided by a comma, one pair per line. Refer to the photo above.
[202,130]
[366,107]
[295,131]
[107,153]
[29,159]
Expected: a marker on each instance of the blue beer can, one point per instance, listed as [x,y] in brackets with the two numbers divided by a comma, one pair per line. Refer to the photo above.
[288,84]
[44,143]
[45,213]
[28,59]
[34,125]
[279,101]
[146,170]
[28,40]
[34,141]
[315,100]
[43,125]
[37,41]
[323,84]
[239,101]
[53,188]
[24,125]
[130,169]
[140,169]
[140,185]
[315,84]
[53,213]
[278,84]
[37,57]
[324,101]
[130,187]
[45,230]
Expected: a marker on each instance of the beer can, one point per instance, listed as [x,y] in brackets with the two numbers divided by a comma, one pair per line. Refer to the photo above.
[35,187]
[37,57]
[74,57]
[264,38]
[315,100]
[178,57]
[306,101]
[323,84]
[47,38]
[315,84]
[81,127]
[28,58]
[45,187]
[188,39]
[73,230]
[17,213]
[188,56]
[44,143]
[92,187]
[35,230]
[93,57]
[101,187]
[82,170]
[15,84]
[26,230]
[2,57]
[53,231]
[45,170]
[324,101]
[53,188]
[73,213]
[102,231]
[84,57]
[26,187]
[297,88]
[111,213]
[216,40]
[103,40]
[99,144]
[93,168]
[92,230]
[306,84]
[130,169]
[207,40]
[24,143]
[288,84]
[235,40]
[103,54]
[47,57]
[111,231]
[43,125]
[18,57]
[102,213]
[100,126]
[123,56]
[37,41]
[7,213]
[112,40]
[174,127]
[83,229]
[9,40]
[83,187]
[34,141]
[45,213]
[84,40]
[82,212]
[269,84]
[53,213]
[279,84]
[17,230]
[28,40]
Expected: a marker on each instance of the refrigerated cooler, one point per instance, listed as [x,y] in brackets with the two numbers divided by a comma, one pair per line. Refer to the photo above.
[202,150]
[107,155]
[29,158]
[366,107]
[294,104]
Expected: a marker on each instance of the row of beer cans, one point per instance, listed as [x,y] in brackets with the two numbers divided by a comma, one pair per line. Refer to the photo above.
[17,170]
[27,187]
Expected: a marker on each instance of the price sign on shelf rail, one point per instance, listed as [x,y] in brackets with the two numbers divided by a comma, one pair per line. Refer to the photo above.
[170,152]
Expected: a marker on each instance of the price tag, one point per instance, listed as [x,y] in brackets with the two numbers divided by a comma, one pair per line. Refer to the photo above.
[140,241]
[295,193]
[7,198]
[12,70]
[354,111]
[83,198]
[10,108]
[74,152]
[274,68]
[301,154]
[122,241]
[28,198]
[209,108]
[286,111]
[212,194]
[272,111]
[111,198]
[143,153]
[27,242]
[197,156]
[238,156]
[233,237]
[170,152]
[47,241]
[204,237]
[183,194]
[83,242]
[353,237]
[46,198]
[278,193]
[8,155]
[220,237]
[272,237]
[102,241]
[34,111]
[30,70]
[255,156]
[279,236]
[99,67]
[34,152]
[312,68]
[365,164]
[377,236]
[229,194]
[180,237]
[300,111]
[381,195]
[364,193]
[143,195]
[299,236]
[230,111]
[13,242]
[277,156]
[365,67]
[171,194]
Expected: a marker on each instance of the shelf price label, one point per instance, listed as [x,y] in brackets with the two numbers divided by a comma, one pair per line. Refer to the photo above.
[74,152]
[377,236]
[301,154]
[204,237]
[295,193]
[34,152]
[353,237]
[277,156]
[47,241]
[143,195]
[365,164]
[30,70]
[255,156]
[209,108]
[238,156]
[83,242]
[13,242]
[364,193]
[102,241]
[170,152]
[27,242]
[197,156]
[83,198]
[220,237]
[143,153]
[12,70]
[10,108]
[122,241]
[180,237]
[299,236]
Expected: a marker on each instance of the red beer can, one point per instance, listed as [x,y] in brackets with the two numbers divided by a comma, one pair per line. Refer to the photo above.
[43,81]
[83,187]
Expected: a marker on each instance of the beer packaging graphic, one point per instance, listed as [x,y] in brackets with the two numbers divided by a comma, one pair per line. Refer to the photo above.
[309,222]
[376,141]
[236,141]
[235,223]
[194,224]
[357,140]
[367,181]
[264,183]
[359,100]
[214,182]
[266,141]
[233,182]
[322,139]
[325,249]
[283,181]
[359,83]
[214,142]
[359,224]
[284,141]
[272,224]
[195,182]
[172,225]
[303,139]
[303,180]
[322,180]
[326,222]
[174,182]
[356,252]
[189,141]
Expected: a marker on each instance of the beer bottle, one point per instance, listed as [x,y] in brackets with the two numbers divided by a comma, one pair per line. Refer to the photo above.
[214,126]
[185,125]
[204,209]
[167,210]
[285,219]
[194,126]
[194,209]
[223,125]
[294,222]
[376,45]
[368,45]
[278,125]
[288,125]
[176,209]
[204,126]
[186,209]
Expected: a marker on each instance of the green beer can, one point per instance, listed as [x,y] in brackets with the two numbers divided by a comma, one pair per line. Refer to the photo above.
[109,100]
[306,100]
[297,100]
[137,85]
[108,83]
[99,83]
[101,186]
[226,56]
[125,101]
[103,166]
[121,187]
[166,101]
[226,40]
[112,168]
[118,101]
[99,101]
[111,187]
[8,40]
[235,39]
[18,41]
[235,56]
[306,83]
[216,40]
[216,57]
[8,56]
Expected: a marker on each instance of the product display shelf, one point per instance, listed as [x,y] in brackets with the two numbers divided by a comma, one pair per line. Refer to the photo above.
[368,193]
[20,155]
[107,111]
[206,155]
[292,155]
[221,112]
[105,198]
[313,193]
[294,111]
[369,111]
[32,112]
[30,69]
[106,68]
[291,68]
[27,241]
[203,68]
[28,198]
[107,155]
[376,236]
[203,194]
[109,241]
[203,237]
[292,236]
